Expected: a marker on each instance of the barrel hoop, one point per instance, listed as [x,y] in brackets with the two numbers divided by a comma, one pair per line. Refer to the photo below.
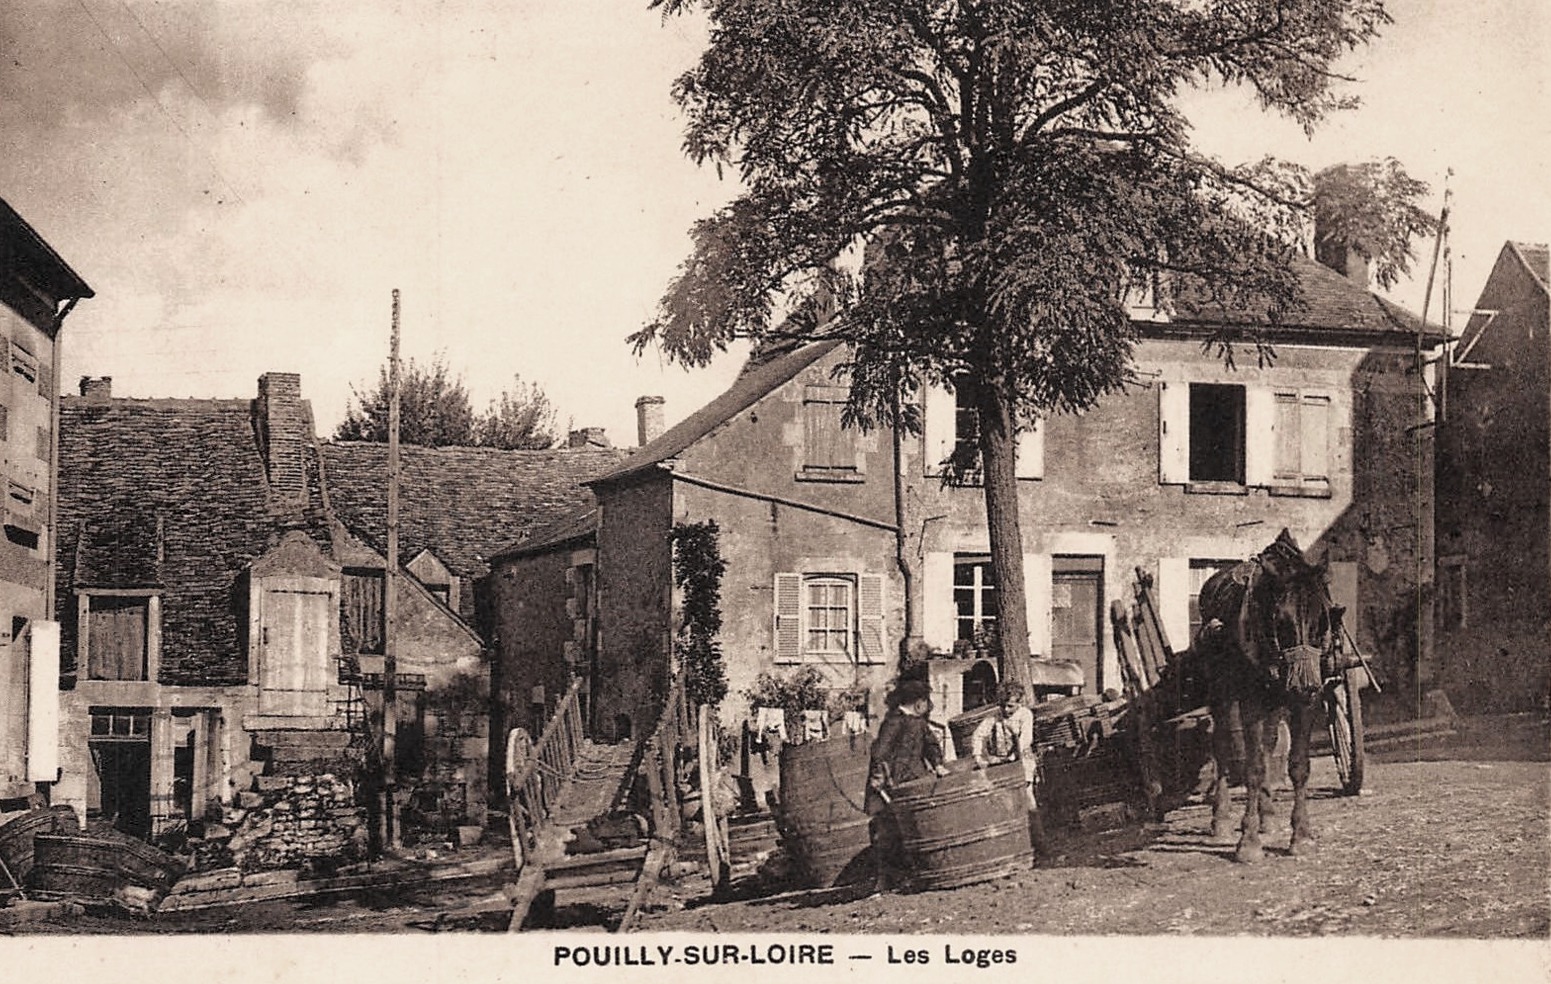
[963,874]
[978,835]
[933,798]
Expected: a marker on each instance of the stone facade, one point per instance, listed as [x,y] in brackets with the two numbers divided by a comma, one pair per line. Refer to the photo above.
[1493,599]
[37,291]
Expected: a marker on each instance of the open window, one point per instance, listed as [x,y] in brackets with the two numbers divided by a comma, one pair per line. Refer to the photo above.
[951,432]
[1217,428]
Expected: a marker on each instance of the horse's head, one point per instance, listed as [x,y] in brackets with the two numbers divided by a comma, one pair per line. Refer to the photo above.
[1301,624]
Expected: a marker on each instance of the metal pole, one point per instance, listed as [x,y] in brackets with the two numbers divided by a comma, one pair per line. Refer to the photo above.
[390,598]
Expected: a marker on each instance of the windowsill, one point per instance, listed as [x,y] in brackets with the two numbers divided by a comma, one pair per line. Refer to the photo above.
[831,477]
[826,661]
[1300,491]
[1216,488]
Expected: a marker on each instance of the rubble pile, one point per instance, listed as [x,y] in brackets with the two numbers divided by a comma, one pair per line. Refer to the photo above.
[294,821]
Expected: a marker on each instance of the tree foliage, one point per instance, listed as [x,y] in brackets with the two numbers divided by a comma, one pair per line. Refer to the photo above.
[435,411]
[1014,172]
[1370,208]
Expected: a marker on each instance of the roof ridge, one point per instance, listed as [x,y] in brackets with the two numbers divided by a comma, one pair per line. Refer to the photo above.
[1537,275]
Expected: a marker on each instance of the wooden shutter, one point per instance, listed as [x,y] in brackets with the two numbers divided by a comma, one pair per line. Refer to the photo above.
[293,666]
[869,619]
[1174,600]
[1286,439]
[1260,435]
[1031,450]
[116,643]
[1173,433]
[939,428]
[788,617]
[1315,449]
[937,611]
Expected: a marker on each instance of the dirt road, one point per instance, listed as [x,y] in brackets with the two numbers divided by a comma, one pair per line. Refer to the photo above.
[1456,847]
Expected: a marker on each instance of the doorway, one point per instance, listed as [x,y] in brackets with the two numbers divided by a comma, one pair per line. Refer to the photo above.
[1077,616]
[119,786]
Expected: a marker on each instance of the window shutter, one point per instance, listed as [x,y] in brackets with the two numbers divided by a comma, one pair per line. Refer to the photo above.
[938,428]
[1173,433]
[869,618]
[788,617]
[1316,438]
[1288,444]
[1031,450]
[1037,576]
[937,609]
[1174,600]
[1260,435]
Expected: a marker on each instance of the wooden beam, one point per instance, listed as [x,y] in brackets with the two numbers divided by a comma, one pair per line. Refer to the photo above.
[656,860]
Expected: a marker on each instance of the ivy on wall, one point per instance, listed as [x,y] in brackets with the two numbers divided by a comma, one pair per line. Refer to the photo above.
[697,571]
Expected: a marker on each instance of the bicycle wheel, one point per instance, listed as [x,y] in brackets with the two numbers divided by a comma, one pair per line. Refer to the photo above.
[1344,718]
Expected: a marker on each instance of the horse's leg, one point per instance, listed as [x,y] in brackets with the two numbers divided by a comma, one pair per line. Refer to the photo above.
[1226,745]
[1253,715]
[1302,725]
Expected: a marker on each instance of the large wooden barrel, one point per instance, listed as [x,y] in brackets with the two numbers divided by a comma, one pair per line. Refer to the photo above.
[16,836]
[968,826]
[962,727]
[113,868]
[824,828]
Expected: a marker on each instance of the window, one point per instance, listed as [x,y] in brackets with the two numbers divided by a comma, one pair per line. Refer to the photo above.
[829,448]
[966,428]
[116,637]
[24,363]
[951,434]
[361,597]
[1451,593]
[829,617]
[1216,433]
[1302,442]
[974,597]
[1200,572]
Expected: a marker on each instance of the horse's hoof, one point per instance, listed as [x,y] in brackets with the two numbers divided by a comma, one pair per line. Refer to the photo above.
[1248,853]
[1304,844]
[1223,833]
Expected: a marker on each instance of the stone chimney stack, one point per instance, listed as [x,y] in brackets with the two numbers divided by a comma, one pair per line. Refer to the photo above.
[648,419]
[283,422]
[588,437]
[97,389]
[1331,249]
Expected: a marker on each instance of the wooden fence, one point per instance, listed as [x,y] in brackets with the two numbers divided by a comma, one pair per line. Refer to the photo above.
[533,789]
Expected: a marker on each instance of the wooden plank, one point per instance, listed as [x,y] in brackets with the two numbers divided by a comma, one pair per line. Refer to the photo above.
[1147,645]
[1147,599]
[529,885]
[571,862]
[656,860]
[1125,642]
[716,862]
[593,879]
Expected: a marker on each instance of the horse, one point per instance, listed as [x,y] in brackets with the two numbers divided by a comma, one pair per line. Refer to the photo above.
[1268,630]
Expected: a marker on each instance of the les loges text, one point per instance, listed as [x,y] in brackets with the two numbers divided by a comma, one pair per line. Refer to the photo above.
[756,954]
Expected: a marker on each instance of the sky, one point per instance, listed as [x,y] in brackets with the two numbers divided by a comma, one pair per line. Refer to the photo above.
[244,183]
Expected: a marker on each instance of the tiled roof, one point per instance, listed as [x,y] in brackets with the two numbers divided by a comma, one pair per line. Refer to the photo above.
[1333,303]
[1537,258]
[575,526]
[463,504]
[194,467]
[748,389]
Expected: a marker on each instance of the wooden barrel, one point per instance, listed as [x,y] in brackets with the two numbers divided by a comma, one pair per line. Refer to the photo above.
[825,829]
[965,827]
[962,727]
[16,836]
[97,866]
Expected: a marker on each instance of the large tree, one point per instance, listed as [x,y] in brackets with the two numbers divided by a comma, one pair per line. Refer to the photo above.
[434,411]
[1016,172]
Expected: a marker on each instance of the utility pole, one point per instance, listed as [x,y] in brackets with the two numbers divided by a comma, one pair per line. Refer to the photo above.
[390,601]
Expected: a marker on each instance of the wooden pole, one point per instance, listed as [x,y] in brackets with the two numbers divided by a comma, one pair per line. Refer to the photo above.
[390,599]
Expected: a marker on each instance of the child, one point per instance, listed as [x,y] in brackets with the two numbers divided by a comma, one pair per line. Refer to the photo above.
[906,748]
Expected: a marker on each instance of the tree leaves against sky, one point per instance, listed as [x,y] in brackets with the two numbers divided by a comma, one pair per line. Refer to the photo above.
[435,411]
[1013,172]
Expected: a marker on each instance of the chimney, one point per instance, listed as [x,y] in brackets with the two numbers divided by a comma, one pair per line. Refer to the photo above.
[648,419]
[97,389]
[588,437]
[1344,260]
[1332,198]
[282,422]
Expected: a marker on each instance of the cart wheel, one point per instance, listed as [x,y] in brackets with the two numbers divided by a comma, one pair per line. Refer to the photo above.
[1344,718]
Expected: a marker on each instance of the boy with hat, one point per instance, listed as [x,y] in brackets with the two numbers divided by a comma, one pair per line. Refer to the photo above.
[906,748]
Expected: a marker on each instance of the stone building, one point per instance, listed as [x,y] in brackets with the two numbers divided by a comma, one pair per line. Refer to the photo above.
[37,290]
[221,622]
[1493,597]
[1197,466]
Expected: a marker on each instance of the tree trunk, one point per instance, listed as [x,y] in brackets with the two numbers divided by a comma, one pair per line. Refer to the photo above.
[998,461]
[912,644]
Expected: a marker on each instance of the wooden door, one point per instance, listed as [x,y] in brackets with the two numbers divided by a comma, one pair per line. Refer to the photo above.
[1076,616]
[293,655]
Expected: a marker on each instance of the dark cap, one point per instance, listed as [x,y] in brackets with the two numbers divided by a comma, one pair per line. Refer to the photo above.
[909,692]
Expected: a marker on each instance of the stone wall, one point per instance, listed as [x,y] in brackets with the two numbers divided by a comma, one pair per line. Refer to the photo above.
[294,822]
